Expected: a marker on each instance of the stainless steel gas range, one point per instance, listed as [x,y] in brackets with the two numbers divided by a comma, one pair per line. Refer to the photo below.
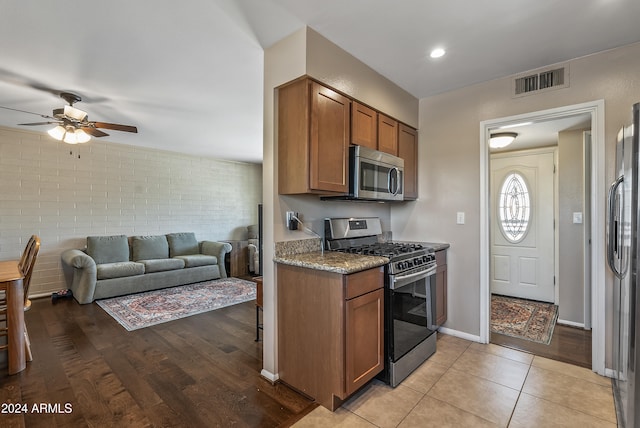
[410,287]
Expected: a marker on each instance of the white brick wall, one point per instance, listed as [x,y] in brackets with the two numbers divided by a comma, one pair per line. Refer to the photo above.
[64,193]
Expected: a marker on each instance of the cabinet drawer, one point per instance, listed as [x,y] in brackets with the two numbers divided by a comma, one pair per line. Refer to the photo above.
[363,282]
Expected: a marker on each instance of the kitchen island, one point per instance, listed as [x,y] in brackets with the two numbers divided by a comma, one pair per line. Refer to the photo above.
[330,323]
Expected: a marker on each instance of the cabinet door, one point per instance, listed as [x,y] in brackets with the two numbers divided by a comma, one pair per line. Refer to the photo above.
[329,140]
[408,150]
[364,126]
[364,330]
[387,135]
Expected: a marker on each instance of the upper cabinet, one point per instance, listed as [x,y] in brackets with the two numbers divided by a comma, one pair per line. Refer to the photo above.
[408,150]
[364,126]
[314,125]
[387,135]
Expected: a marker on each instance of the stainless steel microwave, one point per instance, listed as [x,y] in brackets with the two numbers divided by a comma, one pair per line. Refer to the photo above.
[375,175]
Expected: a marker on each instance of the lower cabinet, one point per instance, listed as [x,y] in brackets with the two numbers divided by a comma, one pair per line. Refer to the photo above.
[330,331]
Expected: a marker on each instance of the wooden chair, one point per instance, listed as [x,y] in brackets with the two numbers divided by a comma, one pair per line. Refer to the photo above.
[26,265]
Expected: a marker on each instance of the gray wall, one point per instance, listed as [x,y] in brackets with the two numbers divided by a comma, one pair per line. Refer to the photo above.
[571,240]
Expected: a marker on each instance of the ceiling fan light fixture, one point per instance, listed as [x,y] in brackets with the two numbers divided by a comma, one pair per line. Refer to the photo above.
[57,132]
[81,136]
[75,113]
[70,138]
[500,140]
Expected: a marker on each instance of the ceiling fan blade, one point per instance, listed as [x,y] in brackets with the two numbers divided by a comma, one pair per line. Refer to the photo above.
[115,127]
[38,123]
[29,112]
[93,131]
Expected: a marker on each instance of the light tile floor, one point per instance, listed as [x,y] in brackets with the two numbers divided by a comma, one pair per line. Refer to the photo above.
[466,384]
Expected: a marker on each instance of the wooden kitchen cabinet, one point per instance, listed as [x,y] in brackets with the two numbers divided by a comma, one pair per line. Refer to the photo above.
[408,150]
[314,125]
[330,331]
[364,126]
[387,134]
[441,287]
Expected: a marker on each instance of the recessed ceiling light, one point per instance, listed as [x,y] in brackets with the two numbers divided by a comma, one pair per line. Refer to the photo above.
[437,53]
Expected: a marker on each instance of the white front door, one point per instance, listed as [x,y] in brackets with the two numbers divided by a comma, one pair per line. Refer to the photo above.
[522,225]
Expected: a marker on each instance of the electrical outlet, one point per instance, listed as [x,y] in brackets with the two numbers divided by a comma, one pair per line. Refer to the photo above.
[292,223]
[460,218]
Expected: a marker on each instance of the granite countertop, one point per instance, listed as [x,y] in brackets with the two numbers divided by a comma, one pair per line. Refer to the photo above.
[332,261]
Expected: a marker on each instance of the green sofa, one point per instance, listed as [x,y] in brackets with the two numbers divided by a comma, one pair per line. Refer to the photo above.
[116,265]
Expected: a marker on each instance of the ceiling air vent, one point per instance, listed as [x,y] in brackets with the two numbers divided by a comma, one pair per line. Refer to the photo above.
[541,80]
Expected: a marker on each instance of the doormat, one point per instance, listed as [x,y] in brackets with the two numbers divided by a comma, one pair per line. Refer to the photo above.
[141,310]
[523,319]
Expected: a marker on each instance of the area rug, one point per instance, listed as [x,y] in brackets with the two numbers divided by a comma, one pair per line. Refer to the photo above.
[141,310]
[524,319]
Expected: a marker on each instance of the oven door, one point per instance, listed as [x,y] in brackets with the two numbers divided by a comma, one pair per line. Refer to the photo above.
[410,311]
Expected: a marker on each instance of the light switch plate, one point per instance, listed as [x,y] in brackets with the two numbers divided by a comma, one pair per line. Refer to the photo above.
[460,217]
[577,218]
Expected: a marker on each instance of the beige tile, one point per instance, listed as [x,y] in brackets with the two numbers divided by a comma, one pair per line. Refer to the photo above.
[492,367]
[532,412]
[481,397]
[503,351]
[430,412]
[571,370]
[577,394]
[448,349]
[322,418]
[382,405]
[425,376]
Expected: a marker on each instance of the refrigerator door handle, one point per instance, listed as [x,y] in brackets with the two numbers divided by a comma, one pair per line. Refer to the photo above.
[613,233]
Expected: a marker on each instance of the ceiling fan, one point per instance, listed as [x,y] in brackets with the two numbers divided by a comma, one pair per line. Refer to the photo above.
[72,124]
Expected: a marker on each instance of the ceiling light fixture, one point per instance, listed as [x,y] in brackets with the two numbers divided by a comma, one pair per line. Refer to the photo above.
[501,139]
[437,53]
[69,135]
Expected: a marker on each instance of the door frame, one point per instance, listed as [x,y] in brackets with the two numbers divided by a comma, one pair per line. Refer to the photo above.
[597,210]
[556,231]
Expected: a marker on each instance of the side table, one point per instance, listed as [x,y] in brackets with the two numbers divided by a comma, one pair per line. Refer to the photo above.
[238,259]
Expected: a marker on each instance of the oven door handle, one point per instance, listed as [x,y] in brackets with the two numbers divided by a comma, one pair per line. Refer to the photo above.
[419,275]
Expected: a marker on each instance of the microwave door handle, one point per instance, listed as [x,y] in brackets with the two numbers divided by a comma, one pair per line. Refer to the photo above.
[393,190]
[613,233]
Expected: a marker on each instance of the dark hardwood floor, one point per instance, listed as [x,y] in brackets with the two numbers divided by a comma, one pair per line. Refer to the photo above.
[200,371]
[568,344]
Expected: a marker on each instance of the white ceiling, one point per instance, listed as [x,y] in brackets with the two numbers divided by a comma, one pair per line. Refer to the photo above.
[189,74]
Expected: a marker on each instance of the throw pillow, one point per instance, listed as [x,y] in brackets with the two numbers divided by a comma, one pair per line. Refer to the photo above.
[183,244]
[108,249]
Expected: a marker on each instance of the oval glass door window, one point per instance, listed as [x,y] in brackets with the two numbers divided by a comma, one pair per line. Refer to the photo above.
[514,207]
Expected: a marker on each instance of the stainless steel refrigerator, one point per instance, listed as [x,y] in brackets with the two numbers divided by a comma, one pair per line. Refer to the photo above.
[623,256]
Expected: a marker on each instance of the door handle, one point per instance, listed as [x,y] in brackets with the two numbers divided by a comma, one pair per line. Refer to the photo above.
[393,190]
[613,190]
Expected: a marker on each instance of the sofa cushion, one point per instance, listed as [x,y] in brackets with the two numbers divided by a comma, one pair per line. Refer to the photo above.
[149,247]
[108,249]
[181,244]
[161,265]
[194,260]
[119,270]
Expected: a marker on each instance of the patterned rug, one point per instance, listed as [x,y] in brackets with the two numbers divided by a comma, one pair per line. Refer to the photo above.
[141,310]
[524,319]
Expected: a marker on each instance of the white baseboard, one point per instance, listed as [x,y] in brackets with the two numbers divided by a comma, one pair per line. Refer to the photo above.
[269,376]
[460,334]
[570,323]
